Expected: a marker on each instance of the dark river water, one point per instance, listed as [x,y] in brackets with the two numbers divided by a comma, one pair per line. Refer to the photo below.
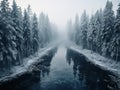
[67,70]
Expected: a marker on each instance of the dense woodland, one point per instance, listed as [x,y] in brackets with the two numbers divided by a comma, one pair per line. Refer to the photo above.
[21,33]
[99,33]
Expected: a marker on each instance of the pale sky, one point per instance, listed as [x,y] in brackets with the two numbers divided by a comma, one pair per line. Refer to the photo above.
[59,11]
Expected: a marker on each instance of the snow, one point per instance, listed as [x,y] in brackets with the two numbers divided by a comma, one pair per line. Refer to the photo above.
[98,60]
[18,70]
[104,63]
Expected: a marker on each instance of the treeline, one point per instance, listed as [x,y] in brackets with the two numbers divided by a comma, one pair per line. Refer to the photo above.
[21,33]
[99,33]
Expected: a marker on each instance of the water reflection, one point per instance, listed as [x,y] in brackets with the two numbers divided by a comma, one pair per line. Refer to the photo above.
[54,73]
[92,77]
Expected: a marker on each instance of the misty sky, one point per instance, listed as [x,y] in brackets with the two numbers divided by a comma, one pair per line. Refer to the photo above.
[59,11]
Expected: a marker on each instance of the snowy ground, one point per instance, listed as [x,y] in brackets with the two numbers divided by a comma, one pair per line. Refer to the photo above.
[18,70]
[98,60]
[102,62]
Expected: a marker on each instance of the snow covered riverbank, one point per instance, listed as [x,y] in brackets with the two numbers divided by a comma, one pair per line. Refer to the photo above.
[20,70]
[100,61]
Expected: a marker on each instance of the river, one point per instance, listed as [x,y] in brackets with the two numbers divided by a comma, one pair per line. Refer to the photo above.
[68,70]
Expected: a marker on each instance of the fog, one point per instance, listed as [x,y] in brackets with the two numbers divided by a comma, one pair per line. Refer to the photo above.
[55,43]
[59,11]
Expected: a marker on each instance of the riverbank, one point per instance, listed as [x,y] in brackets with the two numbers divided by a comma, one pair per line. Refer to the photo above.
[28,65]
[100,61]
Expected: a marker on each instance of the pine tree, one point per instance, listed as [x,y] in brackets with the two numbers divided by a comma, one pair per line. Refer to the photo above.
[45,29]
[95,28]
[99,27]
[41,27]
[77,30]
[35,30]
[26,34]
[108,19]
[84,29]
[115,43]
[17,24]
[8,45]
[91,33]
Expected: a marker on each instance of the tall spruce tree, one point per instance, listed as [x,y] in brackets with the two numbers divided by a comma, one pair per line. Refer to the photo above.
[8,35]
[26,34]
[99,27]
[35,33]
[108,20]
[77,30]
[91,33]
[17,24]
[45,29]
[84,29]
[115,43]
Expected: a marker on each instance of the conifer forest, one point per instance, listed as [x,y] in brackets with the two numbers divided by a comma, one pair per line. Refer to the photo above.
[59,45]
